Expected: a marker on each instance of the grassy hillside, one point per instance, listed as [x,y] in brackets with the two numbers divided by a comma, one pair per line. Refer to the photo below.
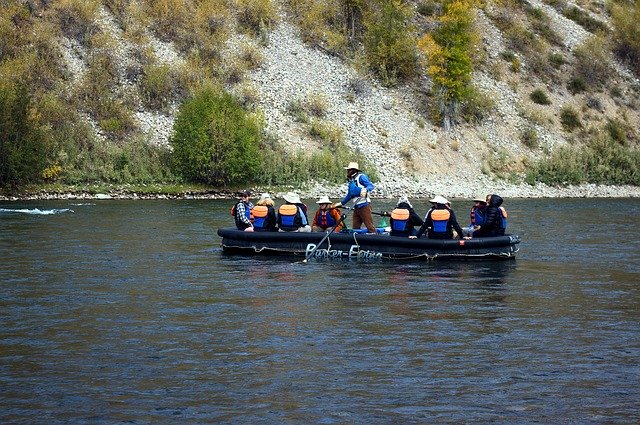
[90,90]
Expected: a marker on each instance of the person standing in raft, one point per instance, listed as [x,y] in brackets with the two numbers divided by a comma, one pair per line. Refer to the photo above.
[292,216]
[359,186]
[326,217]
[404,219]
[440,221]
[242,212]
[264,215]
[495,220]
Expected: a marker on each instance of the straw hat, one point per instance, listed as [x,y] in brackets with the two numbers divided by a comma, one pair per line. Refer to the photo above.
[480,198]
[352,166]
[439,200]
[324,200]
[292,198]
[404,199]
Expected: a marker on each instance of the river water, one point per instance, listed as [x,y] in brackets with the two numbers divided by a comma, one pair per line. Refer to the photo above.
[128,312]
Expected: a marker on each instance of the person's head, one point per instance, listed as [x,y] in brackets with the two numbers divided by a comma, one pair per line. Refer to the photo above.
[246,195]
[292,198]
[404,200]
[480,201]
[439,201]
[324,202]
[352,169]
[265,199]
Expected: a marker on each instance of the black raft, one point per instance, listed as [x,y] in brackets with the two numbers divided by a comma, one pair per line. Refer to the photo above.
[365,246]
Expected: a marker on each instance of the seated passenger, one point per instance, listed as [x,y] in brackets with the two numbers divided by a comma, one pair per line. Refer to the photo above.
[292,216]
[326,218]
[477,215]
[264,215]
[242,213]
[495,220]
[404,219]
[440,221]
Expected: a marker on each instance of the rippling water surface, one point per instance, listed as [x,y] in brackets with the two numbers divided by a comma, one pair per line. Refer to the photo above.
[128,312]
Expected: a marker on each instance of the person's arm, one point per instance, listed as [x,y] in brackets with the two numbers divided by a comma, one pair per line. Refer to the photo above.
[415,218]
[364,181]
[425,225]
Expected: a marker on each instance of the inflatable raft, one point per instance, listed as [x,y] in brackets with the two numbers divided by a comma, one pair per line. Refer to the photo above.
[366,246]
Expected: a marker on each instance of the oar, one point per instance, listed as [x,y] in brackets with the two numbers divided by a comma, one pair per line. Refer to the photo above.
[342,218]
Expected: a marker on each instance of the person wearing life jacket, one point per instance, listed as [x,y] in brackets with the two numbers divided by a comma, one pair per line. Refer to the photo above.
[242,212]
[477,215]
[359,186]
[326,217]
[264,215]
[495,220]
[404,219]
[440,221]
[292,215]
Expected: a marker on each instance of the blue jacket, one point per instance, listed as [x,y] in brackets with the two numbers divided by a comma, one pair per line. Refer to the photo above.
[356,184]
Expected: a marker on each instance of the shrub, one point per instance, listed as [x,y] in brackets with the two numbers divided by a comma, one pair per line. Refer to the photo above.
[626,32]
[329,133]
[429,7]
[600,160]
[576,85]
[556,60]
[316,106]
[157,86]
[477,106]
[23,148]
[569,118]
[215,141]
[389,46]
[583,19]
[593,60]
[169,18]
[540,97]
[253,15]
[76,19]
[449,58]
[297,110]
[529,137]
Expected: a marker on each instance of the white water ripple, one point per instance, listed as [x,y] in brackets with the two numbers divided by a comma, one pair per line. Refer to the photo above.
[35,211]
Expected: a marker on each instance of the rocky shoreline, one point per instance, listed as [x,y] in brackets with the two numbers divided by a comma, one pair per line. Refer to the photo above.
[464,190]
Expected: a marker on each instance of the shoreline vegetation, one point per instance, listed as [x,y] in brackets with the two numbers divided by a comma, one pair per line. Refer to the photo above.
[173,191]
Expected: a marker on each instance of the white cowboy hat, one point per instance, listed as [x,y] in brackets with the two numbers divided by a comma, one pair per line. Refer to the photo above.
[292,198]
[352,166]
[480,198]
[265,196]
[439,200]
[404,199]
[324,200]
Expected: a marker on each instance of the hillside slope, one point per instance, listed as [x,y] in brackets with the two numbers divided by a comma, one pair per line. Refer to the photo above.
[391,126]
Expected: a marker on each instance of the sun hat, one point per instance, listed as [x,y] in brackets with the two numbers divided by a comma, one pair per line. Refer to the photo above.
[480,198]
[324,200]
[265,196]
[352,166]
[292,198]
[404,199]
[439,200]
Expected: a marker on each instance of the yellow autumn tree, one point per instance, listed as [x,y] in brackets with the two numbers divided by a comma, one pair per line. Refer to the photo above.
[448,57]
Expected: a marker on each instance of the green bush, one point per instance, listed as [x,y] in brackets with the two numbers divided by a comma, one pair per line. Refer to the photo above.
[253,15]
[583,19]
[23,151]
[390,48]
[529,137]
[215,141]
[569,118]
[576,85]
[601,160]
[477,106]
[540,97]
